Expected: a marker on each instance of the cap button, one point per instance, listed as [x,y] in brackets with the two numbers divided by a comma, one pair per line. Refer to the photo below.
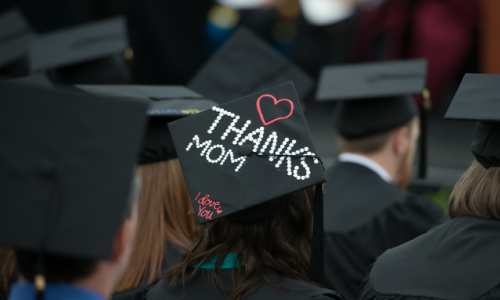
[47,167]
[245,150]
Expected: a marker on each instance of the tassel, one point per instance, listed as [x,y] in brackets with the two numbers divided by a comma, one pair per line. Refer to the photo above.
[40,279]
[426,106]
[316,270]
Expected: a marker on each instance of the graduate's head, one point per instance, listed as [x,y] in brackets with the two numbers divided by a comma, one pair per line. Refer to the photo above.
[376,111]
[249,166]
[165,208]
[71,269]
[395,147]
[277,244]
[69,195]
[477,192]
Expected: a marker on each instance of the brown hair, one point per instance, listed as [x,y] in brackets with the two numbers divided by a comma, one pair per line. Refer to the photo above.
[280,244]
[370,144]
[7,266]
[477,193]
[164,205]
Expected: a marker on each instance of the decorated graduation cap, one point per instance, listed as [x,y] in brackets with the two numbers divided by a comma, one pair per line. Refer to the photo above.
[67,167]
[376,97]
[15,37]
[89,53]
[245,159]
[37,80]
[244,64]
[477,100]
[167,103]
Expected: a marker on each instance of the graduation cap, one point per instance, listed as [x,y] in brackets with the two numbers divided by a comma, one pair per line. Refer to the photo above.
[67,166]
[477,100]
[246,63]
[38,80]
[89,53]
[243,159]
[15,37]
[376,97]
[167,103]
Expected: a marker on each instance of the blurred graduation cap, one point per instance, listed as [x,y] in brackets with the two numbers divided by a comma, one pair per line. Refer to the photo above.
[67,166]
[376,97]
[92,53]
[37,80]
[246,159]
[477,100]
[246,63]
[167,103]
[15,37]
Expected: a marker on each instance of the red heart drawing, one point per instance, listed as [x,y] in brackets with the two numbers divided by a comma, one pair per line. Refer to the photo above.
[275,102]
[219,211]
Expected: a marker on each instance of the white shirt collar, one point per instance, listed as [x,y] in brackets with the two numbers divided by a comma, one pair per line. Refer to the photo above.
[366,162]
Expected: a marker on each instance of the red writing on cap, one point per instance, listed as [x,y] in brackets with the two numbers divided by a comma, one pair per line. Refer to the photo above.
[206,204]
[205,201]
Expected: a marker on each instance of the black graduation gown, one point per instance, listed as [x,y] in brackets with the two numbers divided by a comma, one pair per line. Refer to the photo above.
[457,260]
[364,216]
[172,257]
[200,288]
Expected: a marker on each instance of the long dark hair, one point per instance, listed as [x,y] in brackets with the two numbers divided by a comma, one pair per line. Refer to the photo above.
[280,244]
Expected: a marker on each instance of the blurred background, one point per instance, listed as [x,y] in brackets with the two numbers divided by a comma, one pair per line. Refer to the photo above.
[171,39]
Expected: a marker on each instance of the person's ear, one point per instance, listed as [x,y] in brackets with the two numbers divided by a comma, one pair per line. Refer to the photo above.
[401,140]
[122,241]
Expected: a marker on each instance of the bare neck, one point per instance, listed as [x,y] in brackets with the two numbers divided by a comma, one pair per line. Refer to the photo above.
[102,281]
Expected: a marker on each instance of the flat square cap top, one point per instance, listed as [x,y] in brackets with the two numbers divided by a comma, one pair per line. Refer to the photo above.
[226,153]
[372,80]
[79,44]
[67,165]
[15,36]
[167,103]
[246,63]
[477,98]
[165,100]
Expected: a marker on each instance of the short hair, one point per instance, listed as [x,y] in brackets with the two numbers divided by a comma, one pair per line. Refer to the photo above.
[477,193]
[366,145]
[56,268]
[370,144]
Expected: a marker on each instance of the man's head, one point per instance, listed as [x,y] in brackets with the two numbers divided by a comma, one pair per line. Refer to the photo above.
[395,148]
[64,193]
[85,271]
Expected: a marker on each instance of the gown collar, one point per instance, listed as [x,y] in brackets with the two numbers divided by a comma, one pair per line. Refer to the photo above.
[53,291]
[366,162]
[232,260]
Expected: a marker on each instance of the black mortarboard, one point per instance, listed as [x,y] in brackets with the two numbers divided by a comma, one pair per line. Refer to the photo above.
[245,63]
[477,100]
[243,159]
[167,103]
[89,53]
[375,97]
[66,169]
[38,80]
[15,37]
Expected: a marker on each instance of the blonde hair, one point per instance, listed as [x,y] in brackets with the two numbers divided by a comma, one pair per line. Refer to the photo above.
[164,207]
[477,193]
